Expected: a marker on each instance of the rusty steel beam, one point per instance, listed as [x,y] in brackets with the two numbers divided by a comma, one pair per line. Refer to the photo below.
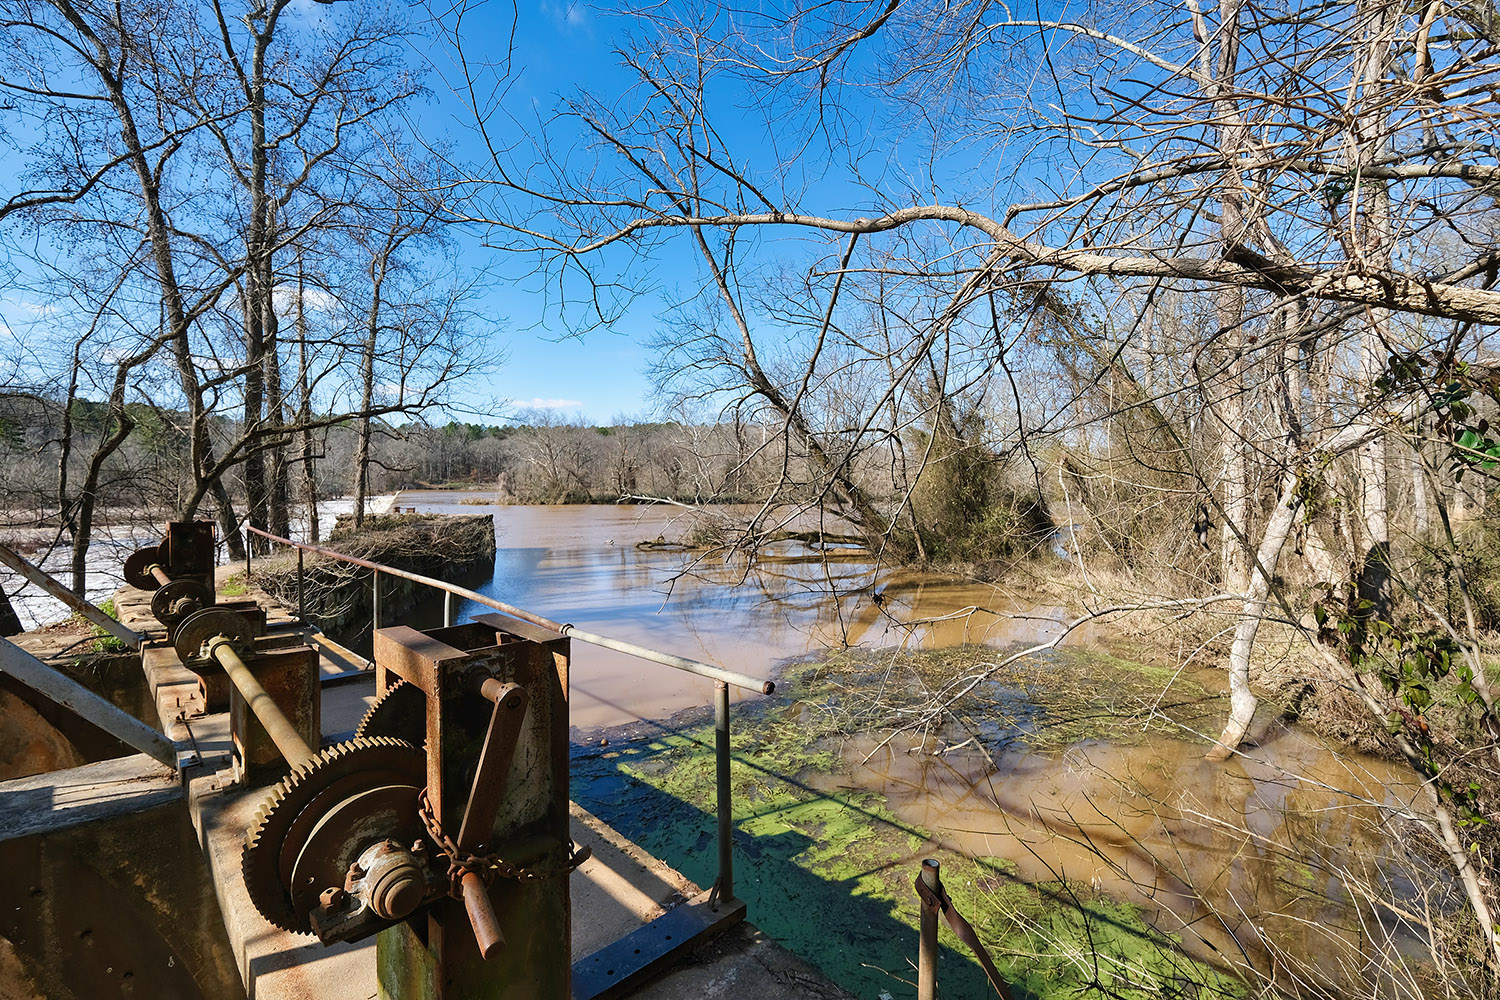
[73,696]
[39,577]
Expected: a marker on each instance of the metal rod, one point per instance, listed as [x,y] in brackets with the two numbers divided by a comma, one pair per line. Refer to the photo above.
[277,725]
[249,544]
[447,609]
[158,574]
[927,943]
[481,914]
[301,589]
[708,670]
[78,699]
[698,667]
[723,791]
[39,577]
[375,612]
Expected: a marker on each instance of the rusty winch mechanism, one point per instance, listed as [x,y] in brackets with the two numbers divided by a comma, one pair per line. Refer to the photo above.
[179,571]
[449,807]
[358,836]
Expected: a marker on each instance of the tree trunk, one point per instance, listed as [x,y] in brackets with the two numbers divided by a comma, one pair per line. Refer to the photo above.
[367,390]
[10,622]
[1242,703]
[83,530]
[159,238]
[276,465]
[304,394]
[1227,399]
[1370,245]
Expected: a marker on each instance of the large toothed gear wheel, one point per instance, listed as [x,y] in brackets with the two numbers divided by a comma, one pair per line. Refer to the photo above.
[400,712]
[367,788]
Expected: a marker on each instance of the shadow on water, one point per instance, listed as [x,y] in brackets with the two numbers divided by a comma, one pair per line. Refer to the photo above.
[827,876]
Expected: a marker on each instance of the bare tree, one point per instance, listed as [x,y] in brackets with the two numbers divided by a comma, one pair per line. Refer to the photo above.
[1326,177]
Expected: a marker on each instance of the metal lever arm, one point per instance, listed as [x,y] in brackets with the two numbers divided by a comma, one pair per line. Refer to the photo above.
[490,778]
[485,796]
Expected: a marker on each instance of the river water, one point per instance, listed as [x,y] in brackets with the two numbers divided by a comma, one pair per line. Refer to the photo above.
[1244,858]
[582,565]
[1236,859]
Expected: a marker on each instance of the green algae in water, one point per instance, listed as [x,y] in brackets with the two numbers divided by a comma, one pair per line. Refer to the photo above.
[829,874]
[1044,701]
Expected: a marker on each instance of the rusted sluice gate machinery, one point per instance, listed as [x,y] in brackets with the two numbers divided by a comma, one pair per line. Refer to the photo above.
[442,826]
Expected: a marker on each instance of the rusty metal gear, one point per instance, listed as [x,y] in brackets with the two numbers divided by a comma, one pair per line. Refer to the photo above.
[177,600]
[196,629]
[137,567]
[400,712]
[294,809]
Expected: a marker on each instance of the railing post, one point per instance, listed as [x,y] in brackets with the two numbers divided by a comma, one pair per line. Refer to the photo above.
[447,609]
[249,542]
[375,613]
[301,589]
[927,948]
[725,802]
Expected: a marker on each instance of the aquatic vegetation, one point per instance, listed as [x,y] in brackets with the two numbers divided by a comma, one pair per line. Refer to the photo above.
[1047,701]
[826,868]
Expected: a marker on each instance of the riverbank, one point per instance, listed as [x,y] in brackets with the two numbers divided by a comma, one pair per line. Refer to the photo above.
[826,863]
[338,598]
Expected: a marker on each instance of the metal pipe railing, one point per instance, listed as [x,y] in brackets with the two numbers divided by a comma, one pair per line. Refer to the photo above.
[732,677]
[724,888]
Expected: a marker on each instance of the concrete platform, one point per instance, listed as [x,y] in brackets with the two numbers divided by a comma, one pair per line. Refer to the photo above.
[620,889]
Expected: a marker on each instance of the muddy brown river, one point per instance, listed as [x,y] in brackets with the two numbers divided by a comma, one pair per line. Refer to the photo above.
[580,564]
[1238,860]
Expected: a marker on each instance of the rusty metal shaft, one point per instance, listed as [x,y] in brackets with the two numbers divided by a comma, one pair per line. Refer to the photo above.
[481,915]
[288,741]
[159,574]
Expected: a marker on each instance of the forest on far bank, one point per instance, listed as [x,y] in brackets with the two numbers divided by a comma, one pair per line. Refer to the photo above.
[548,461]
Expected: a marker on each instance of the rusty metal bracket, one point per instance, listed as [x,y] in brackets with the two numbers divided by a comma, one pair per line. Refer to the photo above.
[935,900]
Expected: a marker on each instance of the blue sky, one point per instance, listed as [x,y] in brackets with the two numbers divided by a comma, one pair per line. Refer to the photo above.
[599,376]
[596,378]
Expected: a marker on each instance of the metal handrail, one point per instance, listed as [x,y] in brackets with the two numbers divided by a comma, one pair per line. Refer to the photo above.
[724,887]
[698,667]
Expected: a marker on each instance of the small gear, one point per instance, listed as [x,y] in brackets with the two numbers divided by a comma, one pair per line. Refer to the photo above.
[179,599]
[196,629]
[137,572]
[295,807]
[400,712]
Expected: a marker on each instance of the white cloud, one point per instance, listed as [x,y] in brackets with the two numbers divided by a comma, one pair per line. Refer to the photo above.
[571,13]
[313,300]
[552,404]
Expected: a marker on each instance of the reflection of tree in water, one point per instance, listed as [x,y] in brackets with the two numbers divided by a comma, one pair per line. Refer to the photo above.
[1279,865]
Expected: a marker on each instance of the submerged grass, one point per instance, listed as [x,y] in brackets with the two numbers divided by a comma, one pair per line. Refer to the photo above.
[1045,702]
[827,869]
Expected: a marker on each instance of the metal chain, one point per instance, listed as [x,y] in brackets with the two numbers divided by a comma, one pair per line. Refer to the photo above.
[488,866]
